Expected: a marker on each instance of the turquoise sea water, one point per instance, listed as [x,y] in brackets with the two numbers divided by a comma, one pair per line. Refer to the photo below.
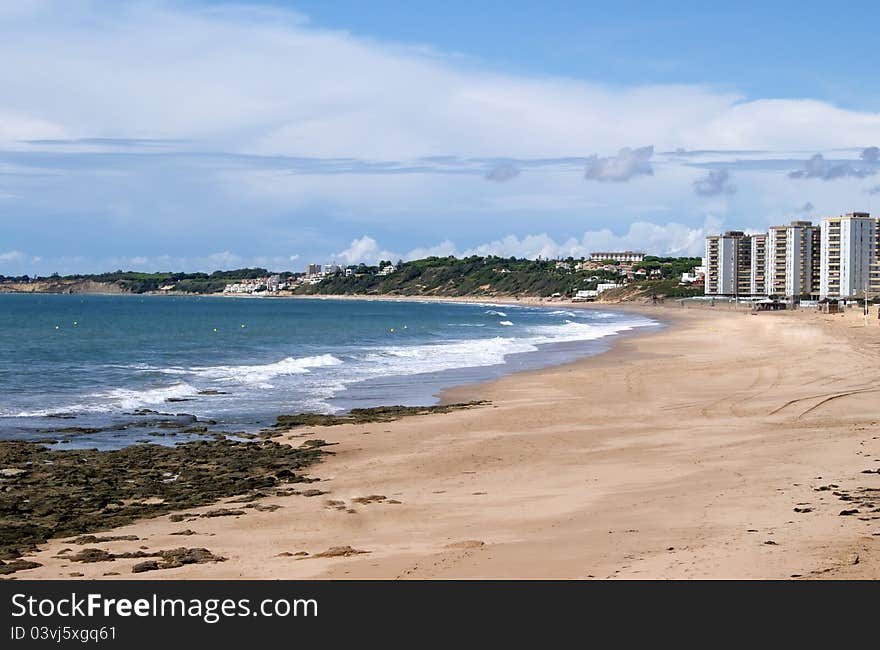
[98,361]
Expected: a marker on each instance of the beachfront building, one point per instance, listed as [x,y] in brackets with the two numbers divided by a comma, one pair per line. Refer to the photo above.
[728,264]
[793,260]
[850,256]
[619,256]
[757,264]
[607,286]
[313,269]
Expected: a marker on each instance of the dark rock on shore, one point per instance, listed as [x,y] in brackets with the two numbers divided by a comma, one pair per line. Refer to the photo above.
[17,565]
[63,493]
[177,557]
[223,512]
[365,415]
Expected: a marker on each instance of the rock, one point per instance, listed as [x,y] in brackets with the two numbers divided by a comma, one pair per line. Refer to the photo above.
[313,493]
[91,555]
[91,539]
[844,513]
[149,565]
[180,556]
[770,542]
[468,543]
[11,472]
[852,558]
[185,532]
[68,493]
[259,507]
[373,498]
[365,415]
[803,509]
[17,565]
[223,512]
[340,551]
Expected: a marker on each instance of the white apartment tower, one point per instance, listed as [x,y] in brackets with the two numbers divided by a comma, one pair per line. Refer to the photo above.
[849,255]
[793,260]
[728,264]
[758,272]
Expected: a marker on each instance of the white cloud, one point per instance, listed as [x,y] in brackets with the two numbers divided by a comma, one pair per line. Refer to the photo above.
[818,167]
[622,167]
[12,256]
[502,172]
[716,182]
[658,239]
[364,249]
[253,79]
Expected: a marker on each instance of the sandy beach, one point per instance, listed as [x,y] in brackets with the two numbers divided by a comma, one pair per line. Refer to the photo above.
[726,445]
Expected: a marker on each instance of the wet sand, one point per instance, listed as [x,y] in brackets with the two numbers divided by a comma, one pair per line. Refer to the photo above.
[724,446]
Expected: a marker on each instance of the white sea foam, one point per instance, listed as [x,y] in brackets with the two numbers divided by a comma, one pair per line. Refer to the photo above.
[506,323]
[492,312]
[417,359]
[262,373]
[118,399]
[128,400]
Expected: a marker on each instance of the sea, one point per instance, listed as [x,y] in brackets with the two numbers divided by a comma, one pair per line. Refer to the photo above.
[107,371]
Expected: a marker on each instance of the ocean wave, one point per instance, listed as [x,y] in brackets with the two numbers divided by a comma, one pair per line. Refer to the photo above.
[506,323]
[118,399]
[418,359]
[579,331]
[562,312]
[262,373]
[492,312]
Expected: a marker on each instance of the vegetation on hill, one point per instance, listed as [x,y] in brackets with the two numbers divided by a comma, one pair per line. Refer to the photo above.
[432,276]
[493,276]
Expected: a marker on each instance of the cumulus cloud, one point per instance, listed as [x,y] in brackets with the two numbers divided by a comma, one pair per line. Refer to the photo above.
[364,250]
[870,154]
[502,172]
[12,256]
[661,239]
[716,182]
[622,167]
[819,167]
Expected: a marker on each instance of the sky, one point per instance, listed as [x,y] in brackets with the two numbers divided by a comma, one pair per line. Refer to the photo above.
[198,135]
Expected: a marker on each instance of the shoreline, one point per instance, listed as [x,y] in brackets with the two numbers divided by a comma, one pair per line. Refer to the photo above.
[667,456]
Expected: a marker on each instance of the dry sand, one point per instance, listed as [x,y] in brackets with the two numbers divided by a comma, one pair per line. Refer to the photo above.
[678,454]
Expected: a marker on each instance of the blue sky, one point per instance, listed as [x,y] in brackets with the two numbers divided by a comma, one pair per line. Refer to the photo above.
[199,135]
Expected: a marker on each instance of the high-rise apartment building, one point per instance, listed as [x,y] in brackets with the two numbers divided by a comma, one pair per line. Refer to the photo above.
[728,264]
[758,270]
[850,256]
[793,258]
